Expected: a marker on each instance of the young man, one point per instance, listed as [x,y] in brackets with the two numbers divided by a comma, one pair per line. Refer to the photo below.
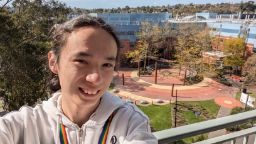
[83,57]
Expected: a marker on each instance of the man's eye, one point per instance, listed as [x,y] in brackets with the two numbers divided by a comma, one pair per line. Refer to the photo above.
[80,61]
[108,65]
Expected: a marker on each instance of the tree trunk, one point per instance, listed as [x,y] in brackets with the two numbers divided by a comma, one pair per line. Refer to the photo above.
[139,68]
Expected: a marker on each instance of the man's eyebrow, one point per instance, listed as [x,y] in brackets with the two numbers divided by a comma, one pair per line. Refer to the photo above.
[112,58]
[85,54]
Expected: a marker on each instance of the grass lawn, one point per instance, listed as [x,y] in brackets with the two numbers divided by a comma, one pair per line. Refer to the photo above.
[238,95]
[160,116]
[186,115]
[186,111]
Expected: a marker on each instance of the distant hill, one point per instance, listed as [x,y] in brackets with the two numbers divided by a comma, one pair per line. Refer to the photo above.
[179,9]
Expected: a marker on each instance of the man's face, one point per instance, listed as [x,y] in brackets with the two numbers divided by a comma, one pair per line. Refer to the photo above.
[86,65]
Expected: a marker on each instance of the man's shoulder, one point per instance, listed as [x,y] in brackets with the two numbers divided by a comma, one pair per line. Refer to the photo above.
[24,111]
[126,108]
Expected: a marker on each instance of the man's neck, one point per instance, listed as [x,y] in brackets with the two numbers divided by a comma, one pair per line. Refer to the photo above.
[78,114]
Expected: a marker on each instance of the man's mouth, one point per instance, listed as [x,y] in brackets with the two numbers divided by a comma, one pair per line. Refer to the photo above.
[89,91]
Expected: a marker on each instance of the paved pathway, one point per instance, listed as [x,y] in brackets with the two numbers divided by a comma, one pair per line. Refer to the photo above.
[139,89]
[222,112]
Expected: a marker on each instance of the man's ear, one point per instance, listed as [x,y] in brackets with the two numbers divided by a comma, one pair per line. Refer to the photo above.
[52,59]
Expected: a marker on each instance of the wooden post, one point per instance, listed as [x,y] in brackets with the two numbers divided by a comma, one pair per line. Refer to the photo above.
[172,89]
[185,76]
[176,109]
[246,103]
[139,68]
[179,70]
[123,78]
[155,72]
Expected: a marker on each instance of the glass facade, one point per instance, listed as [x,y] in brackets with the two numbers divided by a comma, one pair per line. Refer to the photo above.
[128,24]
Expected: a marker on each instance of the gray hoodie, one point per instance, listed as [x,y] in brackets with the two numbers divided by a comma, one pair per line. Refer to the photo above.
[41,124]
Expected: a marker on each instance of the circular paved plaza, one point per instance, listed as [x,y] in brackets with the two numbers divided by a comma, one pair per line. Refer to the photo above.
[143,88]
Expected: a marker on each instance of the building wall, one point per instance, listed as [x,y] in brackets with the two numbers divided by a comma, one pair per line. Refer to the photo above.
[210,59]
[207,15]
[229,30]
[128,24]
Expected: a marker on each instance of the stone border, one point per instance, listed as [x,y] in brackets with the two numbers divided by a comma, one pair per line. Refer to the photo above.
[160,102]
[142,103]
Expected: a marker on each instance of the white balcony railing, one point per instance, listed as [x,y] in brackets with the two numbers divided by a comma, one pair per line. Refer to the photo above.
[178,133]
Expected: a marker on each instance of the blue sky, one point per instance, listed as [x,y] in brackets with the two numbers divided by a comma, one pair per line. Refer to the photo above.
[90,4]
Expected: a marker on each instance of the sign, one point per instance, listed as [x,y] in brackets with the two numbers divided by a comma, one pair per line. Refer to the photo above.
[251,100]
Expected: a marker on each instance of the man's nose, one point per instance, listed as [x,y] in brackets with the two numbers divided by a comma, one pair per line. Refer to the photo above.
[94,78]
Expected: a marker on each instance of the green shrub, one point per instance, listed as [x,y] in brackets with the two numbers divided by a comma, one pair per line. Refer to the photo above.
[241,126]
[194,80]
[111,86]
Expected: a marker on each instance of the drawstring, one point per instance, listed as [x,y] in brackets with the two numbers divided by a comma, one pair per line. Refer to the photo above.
[61,131]
[57,140]
[61,135]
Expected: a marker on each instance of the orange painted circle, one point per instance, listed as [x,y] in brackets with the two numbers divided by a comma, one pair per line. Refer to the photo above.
[227,102]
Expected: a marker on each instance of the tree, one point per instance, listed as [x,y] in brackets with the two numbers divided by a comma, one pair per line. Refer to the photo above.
[168,41]
[149,35]
[179,9]
[24,44]
[234,49]
[189,49]
[248,7]
[249,71]
[139,53]
[203,39]
[149,43]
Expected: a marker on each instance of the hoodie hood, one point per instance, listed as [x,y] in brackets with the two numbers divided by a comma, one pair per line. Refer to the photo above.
[107,105]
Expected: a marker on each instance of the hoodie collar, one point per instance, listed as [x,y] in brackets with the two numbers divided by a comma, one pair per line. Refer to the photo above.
[50,106]
[107,106]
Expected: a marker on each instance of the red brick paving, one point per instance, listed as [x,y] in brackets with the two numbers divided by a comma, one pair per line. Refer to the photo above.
[212,91]
[164,80]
